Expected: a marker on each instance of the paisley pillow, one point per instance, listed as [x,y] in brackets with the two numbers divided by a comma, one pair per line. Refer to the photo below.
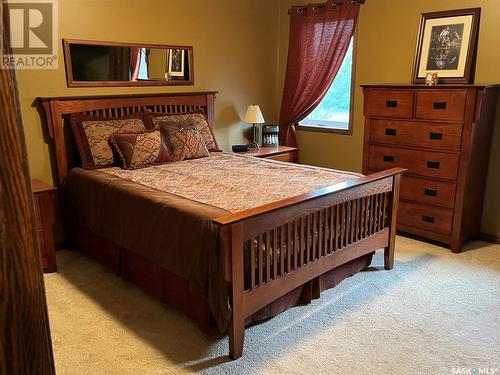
[92,136]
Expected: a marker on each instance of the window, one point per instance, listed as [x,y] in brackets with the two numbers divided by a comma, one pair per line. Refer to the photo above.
[333,114]
[143,67]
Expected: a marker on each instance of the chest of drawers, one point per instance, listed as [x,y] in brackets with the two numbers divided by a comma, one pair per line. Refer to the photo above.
[442,135]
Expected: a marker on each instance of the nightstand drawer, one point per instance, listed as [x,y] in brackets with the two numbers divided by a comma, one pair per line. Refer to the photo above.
[418,134]
[423,163]
[441,104]
[432,219]
[427,191]
[281,157]
[389,103]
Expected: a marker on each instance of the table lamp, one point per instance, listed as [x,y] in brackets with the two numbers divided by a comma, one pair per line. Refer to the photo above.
[254,116]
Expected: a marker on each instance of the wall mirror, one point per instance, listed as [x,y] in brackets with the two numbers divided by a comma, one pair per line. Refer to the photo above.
[91,63]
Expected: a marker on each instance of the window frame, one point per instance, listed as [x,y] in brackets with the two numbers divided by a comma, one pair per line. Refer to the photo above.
[349,130]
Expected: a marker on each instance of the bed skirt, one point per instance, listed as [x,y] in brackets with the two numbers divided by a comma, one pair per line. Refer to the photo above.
[174,290]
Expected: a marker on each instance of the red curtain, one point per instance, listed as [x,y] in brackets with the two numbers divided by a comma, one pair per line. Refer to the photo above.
[319,38]
[135,63]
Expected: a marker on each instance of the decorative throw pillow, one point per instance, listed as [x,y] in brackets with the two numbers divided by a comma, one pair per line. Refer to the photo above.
[196,118]
[92,136]
[138,150]
[185,142]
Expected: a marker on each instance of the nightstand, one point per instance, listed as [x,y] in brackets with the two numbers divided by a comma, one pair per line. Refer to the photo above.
[281,153]
[43,196]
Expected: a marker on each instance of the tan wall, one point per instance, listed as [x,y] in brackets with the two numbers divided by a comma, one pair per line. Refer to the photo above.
[234,52]
[240,49]
[387,32]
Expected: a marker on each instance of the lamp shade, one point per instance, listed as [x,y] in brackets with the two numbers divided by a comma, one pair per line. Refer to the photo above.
[253,115]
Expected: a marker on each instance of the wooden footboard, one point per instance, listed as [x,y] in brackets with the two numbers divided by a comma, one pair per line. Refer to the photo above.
[293,241]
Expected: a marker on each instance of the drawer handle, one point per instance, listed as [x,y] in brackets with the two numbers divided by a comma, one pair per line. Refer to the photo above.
[433,164]
[428,219]
[433,135]
[439,105]
[388,158]
[391,103]
[390,131]
[431,192]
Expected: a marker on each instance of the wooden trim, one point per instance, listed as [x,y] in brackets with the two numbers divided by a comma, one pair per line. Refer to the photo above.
[393,213]
[267,151]
[25,343]
[237,323]
[310,128]
[124,96]
[463,168]
[72,83]
[440,86]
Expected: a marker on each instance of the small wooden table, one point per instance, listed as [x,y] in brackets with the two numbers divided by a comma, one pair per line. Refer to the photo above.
[281,153]
[43,196]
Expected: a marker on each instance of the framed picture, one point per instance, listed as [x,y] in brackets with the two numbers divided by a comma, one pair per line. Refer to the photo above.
[447,45]
[176,62]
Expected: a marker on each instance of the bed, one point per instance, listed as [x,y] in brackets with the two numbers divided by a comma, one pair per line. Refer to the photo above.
[210,245]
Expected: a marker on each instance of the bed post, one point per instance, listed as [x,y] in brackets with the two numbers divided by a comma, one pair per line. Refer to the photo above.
[392,214]
[237,324]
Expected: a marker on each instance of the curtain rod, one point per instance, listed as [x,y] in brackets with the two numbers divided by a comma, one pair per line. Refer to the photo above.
[334,4]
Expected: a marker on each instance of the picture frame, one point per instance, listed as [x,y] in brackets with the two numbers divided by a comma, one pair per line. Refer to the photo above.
[176,58]
[446,44]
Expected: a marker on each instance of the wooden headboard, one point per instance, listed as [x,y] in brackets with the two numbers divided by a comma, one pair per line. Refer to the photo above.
[58,110]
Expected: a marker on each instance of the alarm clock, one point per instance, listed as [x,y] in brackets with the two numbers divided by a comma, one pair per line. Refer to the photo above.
[240,148]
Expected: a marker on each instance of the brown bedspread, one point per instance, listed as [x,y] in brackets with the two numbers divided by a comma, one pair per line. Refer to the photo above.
[165,212]
[234,182]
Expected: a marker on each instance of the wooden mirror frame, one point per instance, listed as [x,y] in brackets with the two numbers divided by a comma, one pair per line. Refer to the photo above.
[72,83]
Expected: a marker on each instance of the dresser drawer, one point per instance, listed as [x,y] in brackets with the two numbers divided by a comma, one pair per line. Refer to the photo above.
[427,191]
[437,220]
[389,103]
[419,134]
[423,163]
[441,104]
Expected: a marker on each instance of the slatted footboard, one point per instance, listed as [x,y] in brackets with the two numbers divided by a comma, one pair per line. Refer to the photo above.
[276,248]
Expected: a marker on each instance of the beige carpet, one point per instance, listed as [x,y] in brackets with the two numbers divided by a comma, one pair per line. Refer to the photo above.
[434,313]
